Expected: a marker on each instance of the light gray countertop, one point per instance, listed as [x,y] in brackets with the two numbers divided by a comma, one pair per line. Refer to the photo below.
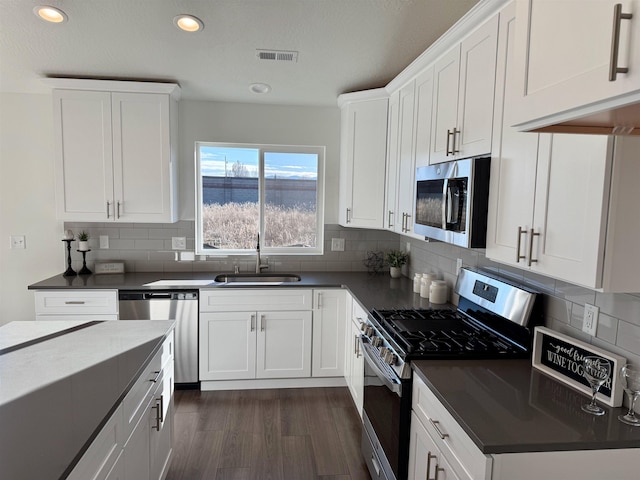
[55,394]
[506,406]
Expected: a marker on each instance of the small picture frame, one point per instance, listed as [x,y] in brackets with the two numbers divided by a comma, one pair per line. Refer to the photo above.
[560,356]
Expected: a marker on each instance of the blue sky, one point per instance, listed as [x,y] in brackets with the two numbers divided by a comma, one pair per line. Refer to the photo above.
[280,165]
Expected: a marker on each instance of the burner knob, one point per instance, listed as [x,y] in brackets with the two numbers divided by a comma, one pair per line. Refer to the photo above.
[368,331]
[383,351]
[389,357]
[363,326]
[376,341]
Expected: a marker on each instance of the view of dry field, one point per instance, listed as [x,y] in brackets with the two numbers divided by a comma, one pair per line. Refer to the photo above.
[235,226]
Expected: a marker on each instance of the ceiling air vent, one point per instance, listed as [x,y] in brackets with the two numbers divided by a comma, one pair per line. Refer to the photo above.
[280,55]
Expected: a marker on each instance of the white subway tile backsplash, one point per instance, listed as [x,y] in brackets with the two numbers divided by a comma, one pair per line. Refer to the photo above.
[147,248]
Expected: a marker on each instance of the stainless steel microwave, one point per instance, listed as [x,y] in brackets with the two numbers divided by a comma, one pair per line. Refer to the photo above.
[452,202]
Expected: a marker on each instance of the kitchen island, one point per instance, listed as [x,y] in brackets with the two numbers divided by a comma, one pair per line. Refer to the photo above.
[61,381]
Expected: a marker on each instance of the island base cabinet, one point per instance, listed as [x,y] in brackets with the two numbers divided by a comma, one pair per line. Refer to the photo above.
[425,460]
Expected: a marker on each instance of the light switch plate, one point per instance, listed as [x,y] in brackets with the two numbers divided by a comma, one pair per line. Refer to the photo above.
[590,321]
[18,241]
[104,242]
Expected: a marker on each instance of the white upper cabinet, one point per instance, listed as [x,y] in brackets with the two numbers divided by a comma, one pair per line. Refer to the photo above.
[115,154]
[464,80]
[362,158]
[566,65]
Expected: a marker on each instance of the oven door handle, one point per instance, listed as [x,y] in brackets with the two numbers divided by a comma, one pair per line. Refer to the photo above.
[390,383]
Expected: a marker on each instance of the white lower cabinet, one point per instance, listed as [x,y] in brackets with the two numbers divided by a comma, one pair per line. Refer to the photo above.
[136,443]
[329,321]
[423,447]
[354,361]
[272,341]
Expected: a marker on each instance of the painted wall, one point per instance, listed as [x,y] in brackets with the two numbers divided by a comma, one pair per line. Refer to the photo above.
[26,201]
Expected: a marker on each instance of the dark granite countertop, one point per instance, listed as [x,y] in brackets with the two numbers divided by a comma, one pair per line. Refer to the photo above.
[379,291]
[506,406]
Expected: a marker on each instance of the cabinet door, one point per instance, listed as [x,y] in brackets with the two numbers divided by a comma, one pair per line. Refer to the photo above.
[329,320]
[445,106]
[406,159]
[392,221]
[364,155]
[161,427]
[477,85]
[142,157]
[513,161]
[423,111]
[284,345]
[84,169]
[227,344]
[571,207]
[356,378]
[425,459]
[136,450]
[564,56]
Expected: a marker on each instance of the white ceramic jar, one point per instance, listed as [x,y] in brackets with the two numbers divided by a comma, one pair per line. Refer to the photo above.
[425,284]
[438,292]
[417,282]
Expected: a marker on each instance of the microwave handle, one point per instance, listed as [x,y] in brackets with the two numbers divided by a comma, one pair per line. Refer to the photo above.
[446,210]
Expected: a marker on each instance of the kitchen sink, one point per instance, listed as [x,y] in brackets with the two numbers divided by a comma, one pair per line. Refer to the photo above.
[258,278]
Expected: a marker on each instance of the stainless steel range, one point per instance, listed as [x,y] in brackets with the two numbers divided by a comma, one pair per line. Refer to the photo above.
[494,319]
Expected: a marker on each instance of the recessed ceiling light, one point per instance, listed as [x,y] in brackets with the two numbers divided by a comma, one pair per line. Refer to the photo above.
[50,14]
[188,23]
[260,88]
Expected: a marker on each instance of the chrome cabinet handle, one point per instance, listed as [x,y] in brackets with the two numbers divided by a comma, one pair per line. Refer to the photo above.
[449,134]
[429,457]
[519,257]
[158,414]
[618,16]
[161,408]
[117,209]
[74,302]
[157,376]
[253,323]
[262,323]
[406,223]
[356,350]
[348,215]
[389,219]
[532,260]
[319,301]
[454,150]
[108,205]
[438,470]
[435,424]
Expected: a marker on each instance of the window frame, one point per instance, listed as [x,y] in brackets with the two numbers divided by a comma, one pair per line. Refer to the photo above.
[262,148]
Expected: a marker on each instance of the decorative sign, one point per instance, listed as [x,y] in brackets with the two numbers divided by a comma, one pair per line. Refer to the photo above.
[560,356]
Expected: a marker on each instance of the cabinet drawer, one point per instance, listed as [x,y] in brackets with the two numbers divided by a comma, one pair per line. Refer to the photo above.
[137,398]
[76,302]
[456,445]
[358,314]
[242,300]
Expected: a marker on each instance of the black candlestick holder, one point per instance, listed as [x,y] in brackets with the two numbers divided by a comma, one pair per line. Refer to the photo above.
[70,272]
[84,270]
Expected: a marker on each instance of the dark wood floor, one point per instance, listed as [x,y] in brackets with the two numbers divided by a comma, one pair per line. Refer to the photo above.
[286,434]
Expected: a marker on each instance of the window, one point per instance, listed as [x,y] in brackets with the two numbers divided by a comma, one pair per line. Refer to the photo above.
[274,190]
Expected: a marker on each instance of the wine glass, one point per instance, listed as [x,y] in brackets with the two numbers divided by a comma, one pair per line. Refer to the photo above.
[596,371]
[630,379]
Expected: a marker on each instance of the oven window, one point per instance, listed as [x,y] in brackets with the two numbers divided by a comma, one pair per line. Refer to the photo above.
[429,202]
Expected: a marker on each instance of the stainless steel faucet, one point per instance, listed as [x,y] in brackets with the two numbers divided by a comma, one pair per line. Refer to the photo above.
[259,265]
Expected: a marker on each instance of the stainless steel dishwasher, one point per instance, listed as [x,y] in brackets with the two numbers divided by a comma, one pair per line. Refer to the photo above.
[181,306]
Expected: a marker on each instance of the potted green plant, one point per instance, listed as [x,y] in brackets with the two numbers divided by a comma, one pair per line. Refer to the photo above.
[83,243]
[396,259]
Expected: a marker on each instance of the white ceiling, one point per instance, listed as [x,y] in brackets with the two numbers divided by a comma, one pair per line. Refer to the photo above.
[343,45]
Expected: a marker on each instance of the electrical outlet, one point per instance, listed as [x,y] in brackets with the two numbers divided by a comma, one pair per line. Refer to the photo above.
[104,242]
[458,266]
[408,249]
[590,321]
[337,244]
[18,241]
[178,243]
